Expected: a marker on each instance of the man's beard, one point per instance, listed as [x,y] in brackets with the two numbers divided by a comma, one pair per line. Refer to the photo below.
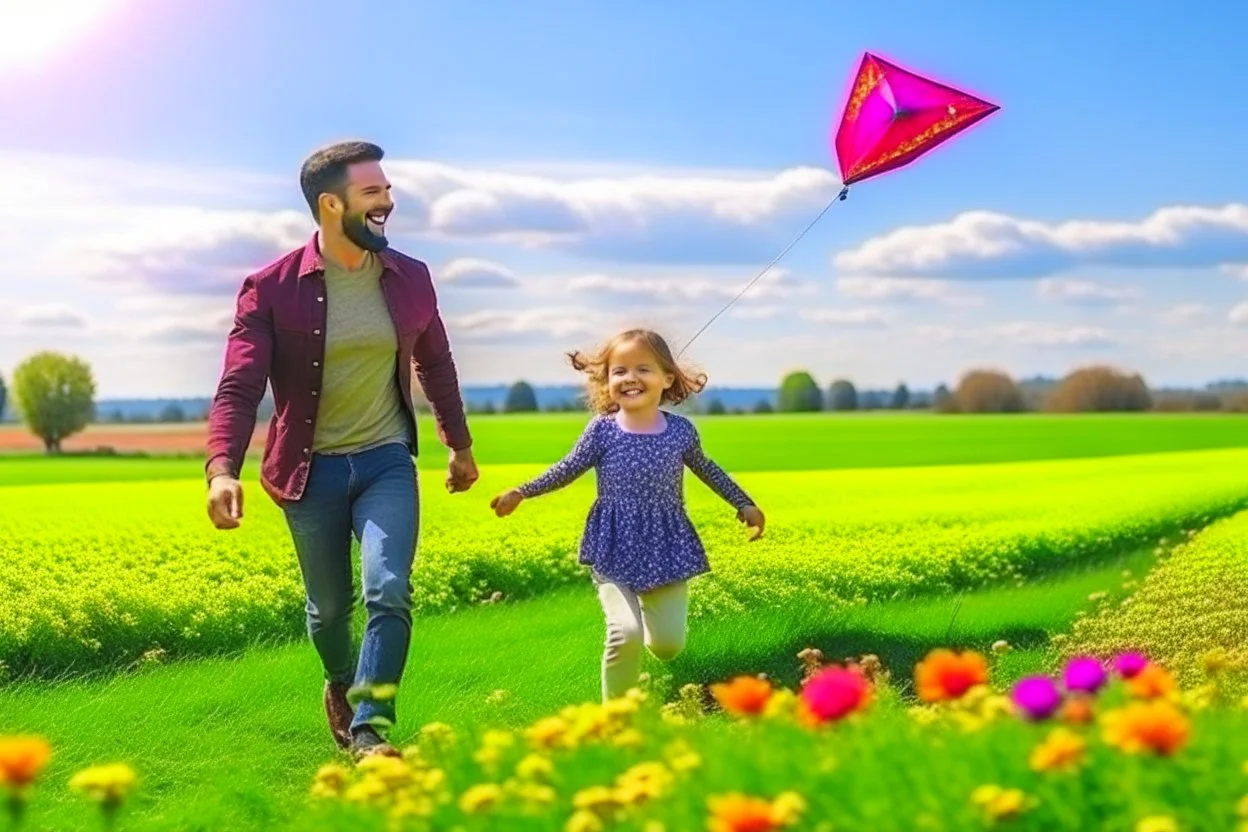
[358,232]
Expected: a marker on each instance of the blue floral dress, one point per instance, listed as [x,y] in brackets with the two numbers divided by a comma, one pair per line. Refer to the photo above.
[638,533]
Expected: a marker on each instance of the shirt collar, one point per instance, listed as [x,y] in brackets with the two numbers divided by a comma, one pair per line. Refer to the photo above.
[310,259]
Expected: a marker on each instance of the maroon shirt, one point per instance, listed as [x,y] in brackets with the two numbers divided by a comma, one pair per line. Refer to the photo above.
[279,337]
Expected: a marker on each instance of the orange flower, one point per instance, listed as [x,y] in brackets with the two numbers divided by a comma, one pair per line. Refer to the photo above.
[21,759]
[741,813]
[1062,749]
[1156,725]
[744,695]
[944,674]
[1077,711]
[1151,682]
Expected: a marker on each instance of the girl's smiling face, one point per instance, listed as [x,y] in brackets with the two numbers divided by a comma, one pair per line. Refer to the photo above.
[636,378]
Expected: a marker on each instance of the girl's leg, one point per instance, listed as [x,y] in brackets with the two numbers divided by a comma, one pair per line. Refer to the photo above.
[621,657]
[664,615]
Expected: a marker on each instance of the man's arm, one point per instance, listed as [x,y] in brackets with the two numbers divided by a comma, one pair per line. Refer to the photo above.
[435,370]
[248,355]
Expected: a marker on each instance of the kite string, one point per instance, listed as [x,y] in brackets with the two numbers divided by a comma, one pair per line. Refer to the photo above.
[838,198]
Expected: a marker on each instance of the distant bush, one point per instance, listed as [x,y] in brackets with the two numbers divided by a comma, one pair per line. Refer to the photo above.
[521,398]
[842,395]
[763,406]
[1236,402]
[1099,389]
[800,394]
[987,391]
[716,407]
[901,397]
[943,401]
[1181,402]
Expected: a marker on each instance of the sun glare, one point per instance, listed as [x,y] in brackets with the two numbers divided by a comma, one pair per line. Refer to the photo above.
[33,31]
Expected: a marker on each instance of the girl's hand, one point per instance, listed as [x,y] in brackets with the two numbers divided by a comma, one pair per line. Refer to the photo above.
[506,502]
[753,518]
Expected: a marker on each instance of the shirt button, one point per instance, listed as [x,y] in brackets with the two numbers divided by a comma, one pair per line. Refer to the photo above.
[316,363]
[316,332]
[315,393]
[320,299]
[307,421]
[305,451]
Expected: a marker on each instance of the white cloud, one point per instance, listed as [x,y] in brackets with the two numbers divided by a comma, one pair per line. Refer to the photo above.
[986,244]
[1021,333]
[905,289]
[1239,314]
[496,324]
[472,273]
[52,316]
[1085,292]
[1184,313]
[1236,270]
[639,218]
[775,284]
[864,317]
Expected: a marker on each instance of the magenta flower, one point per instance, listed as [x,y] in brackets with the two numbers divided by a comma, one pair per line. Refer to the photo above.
[1128,664]
[1084,674]
[1038,697]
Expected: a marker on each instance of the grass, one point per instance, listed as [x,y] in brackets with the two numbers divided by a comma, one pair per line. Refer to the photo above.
[148,571]
[778,442]
[232,743]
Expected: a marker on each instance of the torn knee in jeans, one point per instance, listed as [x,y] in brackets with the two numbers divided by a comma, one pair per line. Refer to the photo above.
[622,640]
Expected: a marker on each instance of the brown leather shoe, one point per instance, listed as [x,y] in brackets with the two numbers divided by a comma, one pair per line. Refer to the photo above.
[367,742]
[339,712]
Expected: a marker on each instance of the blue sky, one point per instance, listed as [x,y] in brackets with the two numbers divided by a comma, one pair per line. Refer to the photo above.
[568,168]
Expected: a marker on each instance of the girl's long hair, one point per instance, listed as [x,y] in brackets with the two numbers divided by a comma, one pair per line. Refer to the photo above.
[596,366]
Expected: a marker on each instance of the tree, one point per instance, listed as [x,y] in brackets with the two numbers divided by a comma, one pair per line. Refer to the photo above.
[988,391]
[716,407]
[520,399]
[842,395]
[171,413]
[763,406]
[1099,389]
[56,394]
[800,394]
[4,395]
[901,397]
[943,401]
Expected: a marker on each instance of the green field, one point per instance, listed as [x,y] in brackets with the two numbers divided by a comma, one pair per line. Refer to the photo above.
[887,534]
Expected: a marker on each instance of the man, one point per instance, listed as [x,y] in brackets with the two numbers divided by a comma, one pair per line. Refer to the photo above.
[337,327]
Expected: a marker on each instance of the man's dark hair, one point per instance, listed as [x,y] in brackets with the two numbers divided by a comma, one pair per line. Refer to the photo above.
[325,171]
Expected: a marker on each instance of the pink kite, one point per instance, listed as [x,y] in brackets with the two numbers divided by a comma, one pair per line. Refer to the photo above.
[893,116]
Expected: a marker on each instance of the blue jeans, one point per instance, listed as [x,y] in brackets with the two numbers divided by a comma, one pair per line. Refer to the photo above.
[373,493]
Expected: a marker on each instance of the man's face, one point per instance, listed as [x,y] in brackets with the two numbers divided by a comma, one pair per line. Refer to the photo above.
[367,206]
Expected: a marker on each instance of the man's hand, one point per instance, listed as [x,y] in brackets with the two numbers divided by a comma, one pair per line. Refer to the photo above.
[753,518]
[462,472]
[506,502]
[225,502]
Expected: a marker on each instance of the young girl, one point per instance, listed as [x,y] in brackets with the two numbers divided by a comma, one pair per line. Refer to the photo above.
[638,539]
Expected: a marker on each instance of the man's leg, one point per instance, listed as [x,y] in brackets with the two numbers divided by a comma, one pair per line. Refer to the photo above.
[320,526]
[386,516]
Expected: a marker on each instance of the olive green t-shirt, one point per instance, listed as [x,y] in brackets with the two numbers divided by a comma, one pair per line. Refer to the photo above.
[360,405]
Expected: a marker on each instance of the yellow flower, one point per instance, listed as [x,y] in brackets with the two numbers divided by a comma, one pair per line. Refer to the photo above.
[369,790]
[782,703]
[1157,823]
[643,782]
[480,798]
[535,767]
[536,795]
[1062,749]
[547,732]
[681,757]
[1215,660]
[584,821]
[1241,808]
[330,780]
[393,772]
[999,803]
[788,808]
[410,806]
[106,784]
[630,738]
[598,799]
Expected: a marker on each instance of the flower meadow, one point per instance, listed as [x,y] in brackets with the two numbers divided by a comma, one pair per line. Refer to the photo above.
[1109,743]
[152,580]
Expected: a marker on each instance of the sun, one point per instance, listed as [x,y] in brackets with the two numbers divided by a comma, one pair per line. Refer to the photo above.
[32,31]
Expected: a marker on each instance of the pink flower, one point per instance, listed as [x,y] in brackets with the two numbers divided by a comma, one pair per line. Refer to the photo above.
[1037,697]
[835,692]
[1084,674]
[1128,664]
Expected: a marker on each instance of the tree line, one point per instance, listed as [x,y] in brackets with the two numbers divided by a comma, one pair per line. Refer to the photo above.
[55,394]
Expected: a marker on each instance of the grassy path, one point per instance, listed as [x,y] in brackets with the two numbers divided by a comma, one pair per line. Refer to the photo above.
[232,743]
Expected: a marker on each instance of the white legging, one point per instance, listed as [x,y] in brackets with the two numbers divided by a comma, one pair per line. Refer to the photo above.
[656,618]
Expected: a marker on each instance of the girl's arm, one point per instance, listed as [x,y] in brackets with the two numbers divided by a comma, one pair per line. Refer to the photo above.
[583,456]
[714,476]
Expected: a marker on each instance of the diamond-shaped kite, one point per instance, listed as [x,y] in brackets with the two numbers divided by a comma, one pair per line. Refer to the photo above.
[893,116]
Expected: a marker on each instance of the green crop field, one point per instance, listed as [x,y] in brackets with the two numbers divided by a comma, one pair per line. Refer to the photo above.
[887,534]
